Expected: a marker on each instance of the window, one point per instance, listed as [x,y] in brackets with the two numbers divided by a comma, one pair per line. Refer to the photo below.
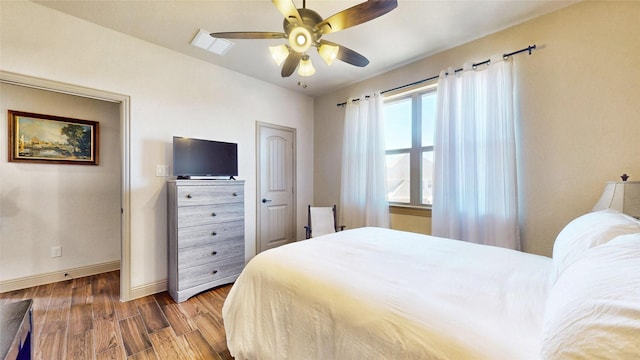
[409,121]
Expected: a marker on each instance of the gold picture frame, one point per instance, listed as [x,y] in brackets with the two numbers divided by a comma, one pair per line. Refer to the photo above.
[39,138]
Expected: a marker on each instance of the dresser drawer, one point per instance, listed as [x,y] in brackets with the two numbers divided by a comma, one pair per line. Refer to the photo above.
[211,253]
[204,195]
[209,214]
[209,272]
[210,233]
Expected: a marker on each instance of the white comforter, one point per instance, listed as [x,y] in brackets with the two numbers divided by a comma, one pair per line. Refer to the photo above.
[382,294]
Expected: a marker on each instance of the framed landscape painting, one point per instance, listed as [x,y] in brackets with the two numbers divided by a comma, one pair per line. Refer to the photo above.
[52,139]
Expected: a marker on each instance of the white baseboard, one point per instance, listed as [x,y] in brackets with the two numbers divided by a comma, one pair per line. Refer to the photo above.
[148,289]
[60,275]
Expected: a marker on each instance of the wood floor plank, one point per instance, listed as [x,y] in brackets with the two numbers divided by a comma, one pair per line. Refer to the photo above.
[81,281]
[81,295]
[153,317]
[167,345]
[106,333]
[193,307]
[80,346]
[18,295]
[102,303]
[144,300]
[102,292]
[210,303]
[134,335]
[125,309]
[114,353]
[41,299]
[178,320]
[81,319]
[113,278]
[212,330]
[225,355]
[100,283]
[199,346]
[42,295]
[148,354]
[57,314]
[163,299]
[51,345]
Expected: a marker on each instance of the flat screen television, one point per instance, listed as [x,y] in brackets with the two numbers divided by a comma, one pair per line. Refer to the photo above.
[204,158]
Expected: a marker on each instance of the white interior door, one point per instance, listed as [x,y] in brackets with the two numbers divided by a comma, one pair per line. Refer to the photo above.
[276,186]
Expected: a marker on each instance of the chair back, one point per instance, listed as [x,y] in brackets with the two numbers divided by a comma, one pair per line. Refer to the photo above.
[322,221]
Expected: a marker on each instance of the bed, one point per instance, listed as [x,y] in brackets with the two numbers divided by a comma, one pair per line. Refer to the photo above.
[374,293]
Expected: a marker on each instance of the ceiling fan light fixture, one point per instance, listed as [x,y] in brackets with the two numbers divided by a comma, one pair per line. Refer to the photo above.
[300,39]
[306,67]
[279,53]
[304,28]
[328,53]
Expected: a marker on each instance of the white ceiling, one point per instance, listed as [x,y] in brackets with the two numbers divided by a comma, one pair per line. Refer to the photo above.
[414,30]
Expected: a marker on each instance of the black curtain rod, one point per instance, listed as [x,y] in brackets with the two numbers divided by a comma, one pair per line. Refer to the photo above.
[529,48]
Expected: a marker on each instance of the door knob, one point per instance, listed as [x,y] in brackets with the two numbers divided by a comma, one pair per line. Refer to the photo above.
[264,201]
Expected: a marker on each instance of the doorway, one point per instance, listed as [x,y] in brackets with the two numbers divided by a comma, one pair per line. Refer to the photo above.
[276,183]
[124,110]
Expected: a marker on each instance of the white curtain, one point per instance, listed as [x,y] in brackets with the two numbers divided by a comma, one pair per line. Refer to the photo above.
[363,192]
[475,184]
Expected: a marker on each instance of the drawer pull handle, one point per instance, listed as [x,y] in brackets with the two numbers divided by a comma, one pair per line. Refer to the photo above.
[235,194]
[189,196]
[214,272]
[213,253]
[213,214]
[214,233]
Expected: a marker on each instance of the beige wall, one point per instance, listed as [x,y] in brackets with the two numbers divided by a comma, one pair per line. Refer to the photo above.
[171,94]
[412,223]
[45,205]
[579,115]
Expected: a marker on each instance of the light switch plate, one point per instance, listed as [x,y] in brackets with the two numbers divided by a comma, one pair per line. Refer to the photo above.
[56,251]
[162,170]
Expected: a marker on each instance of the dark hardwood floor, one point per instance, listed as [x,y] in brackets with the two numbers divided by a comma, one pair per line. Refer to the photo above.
[83,318]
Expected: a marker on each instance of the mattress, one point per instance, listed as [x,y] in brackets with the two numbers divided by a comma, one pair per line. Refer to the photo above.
[374,293]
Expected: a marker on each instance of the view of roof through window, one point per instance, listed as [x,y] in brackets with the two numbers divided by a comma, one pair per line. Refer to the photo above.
[409,128]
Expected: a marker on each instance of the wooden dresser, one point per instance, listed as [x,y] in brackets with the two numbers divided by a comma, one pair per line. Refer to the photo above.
[206,235]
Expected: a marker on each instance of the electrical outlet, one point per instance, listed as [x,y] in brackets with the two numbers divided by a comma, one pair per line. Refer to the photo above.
[56,251]
[162,170]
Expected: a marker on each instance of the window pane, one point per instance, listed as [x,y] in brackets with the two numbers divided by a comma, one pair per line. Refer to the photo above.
[427,177]
[397,124]
[398,185]
[429,104]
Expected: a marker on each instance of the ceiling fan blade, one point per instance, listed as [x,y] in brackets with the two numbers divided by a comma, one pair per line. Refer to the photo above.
[356,15]
[290,64]
[288,9]
[347,55]
[249,35]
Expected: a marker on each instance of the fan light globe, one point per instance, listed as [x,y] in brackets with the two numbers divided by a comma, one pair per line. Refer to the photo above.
[279,53]
[300,39]
[306,68]
[328,53]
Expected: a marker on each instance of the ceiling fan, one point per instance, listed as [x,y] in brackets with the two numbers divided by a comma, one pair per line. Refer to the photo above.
[304,28]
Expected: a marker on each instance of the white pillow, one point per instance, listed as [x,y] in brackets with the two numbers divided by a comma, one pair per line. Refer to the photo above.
[593,310]
[587,231]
